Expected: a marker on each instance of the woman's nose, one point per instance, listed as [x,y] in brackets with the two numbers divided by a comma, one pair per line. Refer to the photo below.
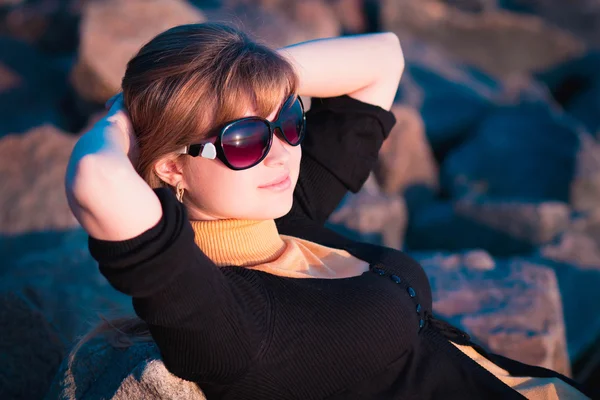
[279,154]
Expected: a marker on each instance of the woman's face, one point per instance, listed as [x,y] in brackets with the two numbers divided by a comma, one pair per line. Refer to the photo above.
[213,191]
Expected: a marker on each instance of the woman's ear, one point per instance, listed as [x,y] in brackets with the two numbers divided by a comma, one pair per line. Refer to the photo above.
[169,169]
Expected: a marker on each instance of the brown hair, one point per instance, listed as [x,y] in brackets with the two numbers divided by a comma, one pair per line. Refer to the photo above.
[184,82]
[192,78]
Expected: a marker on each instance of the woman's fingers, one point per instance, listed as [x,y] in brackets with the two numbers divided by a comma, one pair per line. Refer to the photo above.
[117,114]
[112,100]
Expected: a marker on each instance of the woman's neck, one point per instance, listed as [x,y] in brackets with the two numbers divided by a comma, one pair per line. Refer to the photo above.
[238,242]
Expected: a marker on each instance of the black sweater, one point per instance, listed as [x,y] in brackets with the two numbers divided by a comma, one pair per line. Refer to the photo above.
[245,334]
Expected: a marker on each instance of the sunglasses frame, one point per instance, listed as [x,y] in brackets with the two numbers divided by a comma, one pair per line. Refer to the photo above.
[201,149]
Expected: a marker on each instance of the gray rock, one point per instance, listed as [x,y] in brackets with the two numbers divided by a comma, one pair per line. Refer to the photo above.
[57,272]
[585,187]
[581,17]
[371,216]
[32,194]
[498,42]
[99,370]
[406,158]
[31,349]
[513,309]
[525,152]
[534,222]
[288,22]
[108,43]
[31,89]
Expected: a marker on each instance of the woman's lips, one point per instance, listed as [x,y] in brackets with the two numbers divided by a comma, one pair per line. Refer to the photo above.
[280,183]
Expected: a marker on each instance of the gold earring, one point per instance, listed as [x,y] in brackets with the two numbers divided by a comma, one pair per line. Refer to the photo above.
[180,191]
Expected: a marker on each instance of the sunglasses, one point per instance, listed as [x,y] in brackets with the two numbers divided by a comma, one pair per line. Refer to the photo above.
[245,142]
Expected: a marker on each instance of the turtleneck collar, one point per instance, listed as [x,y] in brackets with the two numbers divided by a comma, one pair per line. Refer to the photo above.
[239,242]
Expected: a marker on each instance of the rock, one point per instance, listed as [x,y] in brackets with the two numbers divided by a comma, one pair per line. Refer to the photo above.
[513,309]
[288,22]
[32,191]
[570,78]
[50,25]
[371,216]
[351,15]
[451,98]
[99,370]
[406,158]
[498,42]
[55,269]
[526,152]
[108,43]
[536,223]
[31,89]
[579,244]
[474,6]
[581,17]
[437,225]
[28,343]
[585,187]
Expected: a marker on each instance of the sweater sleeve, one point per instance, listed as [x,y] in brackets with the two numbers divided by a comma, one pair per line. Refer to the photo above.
[343,138]
[208,326]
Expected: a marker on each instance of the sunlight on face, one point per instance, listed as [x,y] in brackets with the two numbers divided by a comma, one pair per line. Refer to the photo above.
[217,192]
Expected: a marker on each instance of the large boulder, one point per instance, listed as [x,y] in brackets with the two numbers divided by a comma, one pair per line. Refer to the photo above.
[406,158]
[501,227]
[31,348]
[32,194]
[50,25]
[56,271]
[372,216]
[512,307]
[499,42]
[113,31]
[528,152]
[279,23]
[581,17]
[100,370]
[31,88]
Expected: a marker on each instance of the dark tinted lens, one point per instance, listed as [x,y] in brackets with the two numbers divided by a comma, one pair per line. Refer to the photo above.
[245,142]
[292,122]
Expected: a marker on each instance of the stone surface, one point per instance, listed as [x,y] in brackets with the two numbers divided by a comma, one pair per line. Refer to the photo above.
[579,245]
[499,42]
[527,152]
[537,223]
[279,23]
[31,88]
[99,370]
[450,97]
[585,187]
[513,309]
[372,216]
[55,269]
[406,158]
[51,25]
[31,350]
[33,167]
[581,17]
[108,43]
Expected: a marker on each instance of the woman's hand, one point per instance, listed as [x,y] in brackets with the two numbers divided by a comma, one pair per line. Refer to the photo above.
[119,125]
[108,197]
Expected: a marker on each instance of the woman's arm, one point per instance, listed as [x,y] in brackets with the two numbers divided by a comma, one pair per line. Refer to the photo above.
[353,81]
[366,67]
[105,193]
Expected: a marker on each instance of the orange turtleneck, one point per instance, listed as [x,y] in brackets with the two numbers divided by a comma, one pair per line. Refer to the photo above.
[258,245]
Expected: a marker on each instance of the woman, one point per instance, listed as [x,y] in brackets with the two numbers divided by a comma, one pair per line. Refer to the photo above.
[203,207]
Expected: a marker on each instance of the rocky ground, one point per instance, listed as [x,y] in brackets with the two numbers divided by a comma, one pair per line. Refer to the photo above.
[491,177]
